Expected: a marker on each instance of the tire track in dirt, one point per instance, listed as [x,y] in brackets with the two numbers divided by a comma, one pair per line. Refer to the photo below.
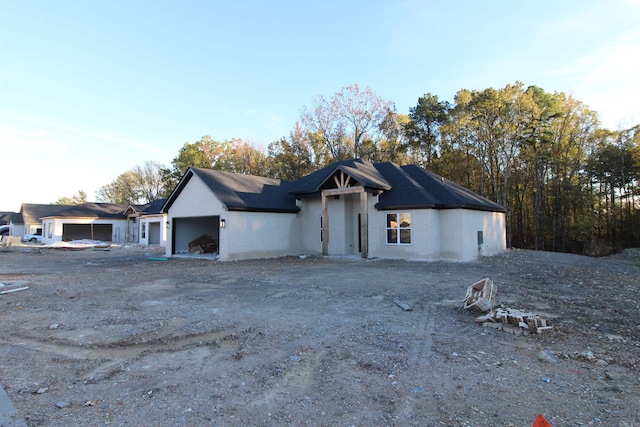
[418,365]
[299,378]
[114,357]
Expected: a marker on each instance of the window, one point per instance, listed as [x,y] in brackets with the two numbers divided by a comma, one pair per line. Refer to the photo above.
[399,228]
[143,232]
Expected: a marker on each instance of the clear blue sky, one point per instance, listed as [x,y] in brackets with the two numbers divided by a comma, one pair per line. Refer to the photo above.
[91,88]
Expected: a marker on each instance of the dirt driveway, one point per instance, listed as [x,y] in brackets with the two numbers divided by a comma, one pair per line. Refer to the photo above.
[113,338]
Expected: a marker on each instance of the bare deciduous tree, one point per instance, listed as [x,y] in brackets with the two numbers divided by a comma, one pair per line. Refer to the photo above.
[349,124]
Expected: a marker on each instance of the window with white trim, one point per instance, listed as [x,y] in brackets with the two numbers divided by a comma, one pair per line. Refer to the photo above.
[399,228]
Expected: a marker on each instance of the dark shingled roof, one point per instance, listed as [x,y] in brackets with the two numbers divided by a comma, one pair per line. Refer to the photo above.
[32,212]
[93,210]
[402,187]
[152,208]
[7,217]
[241,192]
[364,173]
[417,188]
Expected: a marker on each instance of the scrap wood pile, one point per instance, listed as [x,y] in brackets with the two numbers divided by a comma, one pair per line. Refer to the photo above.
[480,298]
[204,244]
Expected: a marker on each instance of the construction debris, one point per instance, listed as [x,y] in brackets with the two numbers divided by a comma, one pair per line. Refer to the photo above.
[8,291]
[480,296]
[527,321]
[403,305]
[512,320]
[204,244]
[13,286]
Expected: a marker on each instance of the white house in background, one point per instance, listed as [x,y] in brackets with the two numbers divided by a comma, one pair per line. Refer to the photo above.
[347,208]
[151,228]
[29,219]
[93,221]
[107,222]
[11,224]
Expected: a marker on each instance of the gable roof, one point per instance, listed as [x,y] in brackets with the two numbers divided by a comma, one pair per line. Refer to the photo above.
[10,217]
[152,208]
[32,212]
[364,173]
[240,192]
[92,210]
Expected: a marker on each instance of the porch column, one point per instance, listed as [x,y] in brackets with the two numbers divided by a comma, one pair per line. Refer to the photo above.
[364,225]
[325,225]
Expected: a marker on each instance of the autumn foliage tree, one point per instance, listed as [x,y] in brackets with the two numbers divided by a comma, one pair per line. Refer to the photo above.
[292,158]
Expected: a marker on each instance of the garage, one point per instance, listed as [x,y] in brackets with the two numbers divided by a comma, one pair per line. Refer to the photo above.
[101,232]
[154,233]
[186,230]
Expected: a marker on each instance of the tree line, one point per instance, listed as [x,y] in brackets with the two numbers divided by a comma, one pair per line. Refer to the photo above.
[569,185]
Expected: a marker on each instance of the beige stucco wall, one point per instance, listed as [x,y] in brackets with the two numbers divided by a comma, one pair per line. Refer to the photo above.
[425,236]
[309,225]
[451,233]
[250,235]
[460,233]
[493,226]
[147,220]
[196,199]
[495,234]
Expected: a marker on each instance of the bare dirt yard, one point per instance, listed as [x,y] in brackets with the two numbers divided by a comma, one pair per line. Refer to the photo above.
[114,338]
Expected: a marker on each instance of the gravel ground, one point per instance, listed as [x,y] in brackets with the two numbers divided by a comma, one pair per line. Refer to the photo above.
[114,338]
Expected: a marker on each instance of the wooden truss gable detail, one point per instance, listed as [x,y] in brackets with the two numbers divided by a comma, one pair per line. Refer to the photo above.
[342,180]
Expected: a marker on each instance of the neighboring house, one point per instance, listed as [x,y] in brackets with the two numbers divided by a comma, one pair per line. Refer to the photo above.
[94,221]
[30,217]
[148,223]
[13,220]
[347,208]
[6,217]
